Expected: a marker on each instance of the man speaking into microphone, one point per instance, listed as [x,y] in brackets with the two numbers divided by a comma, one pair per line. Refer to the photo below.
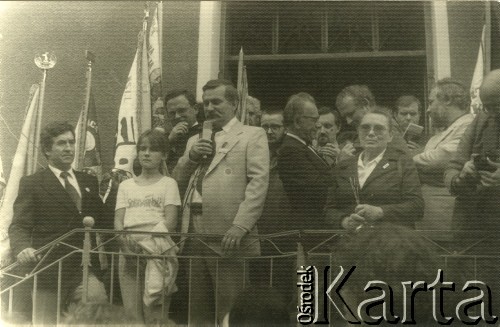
[226,179]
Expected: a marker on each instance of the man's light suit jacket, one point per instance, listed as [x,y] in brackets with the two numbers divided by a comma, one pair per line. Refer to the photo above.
[234,186]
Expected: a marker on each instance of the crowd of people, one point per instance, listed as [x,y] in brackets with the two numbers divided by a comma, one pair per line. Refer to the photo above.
[307,166]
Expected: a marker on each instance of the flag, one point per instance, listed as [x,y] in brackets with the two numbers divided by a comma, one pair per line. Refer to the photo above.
[91,151]
[2,178]
[242,86]
[134,116]
[155,71]
[475,103]
[22,165]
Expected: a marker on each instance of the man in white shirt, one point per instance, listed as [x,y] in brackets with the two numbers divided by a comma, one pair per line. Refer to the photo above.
[449,110]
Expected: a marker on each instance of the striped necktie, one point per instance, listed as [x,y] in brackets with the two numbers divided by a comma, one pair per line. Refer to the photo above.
[73,193]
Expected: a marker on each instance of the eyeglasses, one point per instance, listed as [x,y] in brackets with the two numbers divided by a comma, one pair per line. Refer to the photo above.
[273,128]
[180,111]
[377,129]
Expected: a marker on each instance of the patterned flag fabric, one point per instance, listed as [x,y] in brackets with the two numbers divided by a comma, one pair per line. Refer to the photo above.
[475,103]
[242,86]
[22,165]
[154,67]
[91,156]
[132,118]
[141,107]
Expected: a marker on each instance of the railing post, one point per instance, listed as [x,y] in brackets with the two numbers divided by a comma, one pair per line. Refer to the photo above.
[88,222]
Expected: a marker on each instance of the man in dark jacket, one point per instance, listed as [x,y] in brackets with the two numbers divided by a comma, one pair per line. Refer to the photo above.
[50,203]
[181,113]
[305,175]
[473,176]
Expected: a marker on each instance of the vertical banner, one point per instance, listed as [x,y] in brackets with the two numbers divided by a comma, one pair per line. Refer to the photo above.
[155,71]
[242,86]
[22,165]
[92,153]
[475,102]
[134,115]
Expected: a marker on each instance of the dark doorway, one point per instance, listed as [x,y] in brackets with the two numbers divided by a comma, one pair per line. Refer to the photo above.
[274,81]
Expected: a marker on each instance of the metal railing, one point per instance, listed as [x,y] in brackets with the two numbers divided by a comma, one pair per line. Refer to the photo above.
[281,251]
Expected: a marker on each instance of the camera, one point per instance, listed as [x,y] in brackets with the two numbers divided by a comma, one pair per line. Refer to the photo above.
[481,163]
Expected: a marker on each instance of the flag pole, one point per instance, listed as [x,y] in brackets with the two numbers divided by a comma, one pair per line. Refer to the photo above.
[79,164]
[159,12]
[45,62]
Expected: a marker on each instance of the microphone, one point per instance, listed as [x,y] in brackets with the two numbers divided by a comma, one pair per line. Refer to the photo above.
[207,132]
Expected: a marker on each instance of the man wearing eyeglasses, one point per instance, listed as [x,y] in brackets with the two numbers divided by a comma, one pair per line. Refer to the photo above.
[276,204]
[474,175]
[181,113]
[305,175]
[353,102]
[380,184]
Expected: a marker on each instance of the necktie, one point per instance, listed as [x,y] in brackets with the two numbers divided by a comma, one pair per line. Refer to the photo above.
[73,194]
[206,163]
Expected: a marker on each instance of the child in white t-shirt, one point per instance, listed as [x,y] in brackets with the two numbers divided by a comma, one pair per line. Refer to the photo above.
[149,203]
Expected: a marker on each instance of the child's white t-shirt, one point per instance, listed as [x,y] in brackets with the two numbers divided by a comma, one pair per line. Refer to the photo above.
[145,204]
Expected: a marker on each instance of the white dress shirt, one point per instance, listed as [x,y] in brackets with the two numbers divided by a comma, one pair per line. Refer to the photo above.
[71,178]
[364,171]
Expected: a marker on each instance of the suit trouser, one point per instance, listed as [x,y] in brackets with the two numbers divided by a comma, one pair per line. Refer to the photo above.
[213,284]
[45,300]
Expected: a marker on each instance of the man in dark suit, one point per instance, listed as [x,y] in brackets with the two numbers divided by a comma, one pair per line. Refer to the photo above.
[305,175]
[52,202]
[182,114]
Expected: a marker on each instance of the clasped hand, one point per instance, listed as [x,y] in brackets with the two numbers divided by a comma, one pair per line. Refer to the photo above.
[181,128]
[363,214]
[329,150]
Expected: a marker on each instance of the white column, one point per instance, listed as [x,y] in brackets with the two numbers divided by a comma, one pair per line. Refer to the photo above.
[208,44]
[440,39]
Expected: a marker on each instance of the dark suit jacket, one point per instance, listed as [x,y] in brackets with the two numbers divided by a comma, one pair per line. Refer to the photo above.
[178,148]
[306,178]
[43,211]
[393,185]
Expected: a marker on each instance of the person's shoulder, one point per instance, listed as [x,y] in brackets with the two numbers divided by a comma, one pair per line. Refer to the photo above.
[251,129]
[38,175]
[167,180]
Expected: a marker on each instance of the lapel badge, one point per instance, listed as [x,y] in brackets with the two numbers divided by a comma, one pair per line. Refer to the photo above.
[223,148]
[385,166]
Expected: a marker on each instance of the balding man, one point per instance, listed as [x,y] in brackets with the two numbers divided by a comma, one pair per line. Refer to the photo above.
[449,111]
[305,175]
[353,102]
